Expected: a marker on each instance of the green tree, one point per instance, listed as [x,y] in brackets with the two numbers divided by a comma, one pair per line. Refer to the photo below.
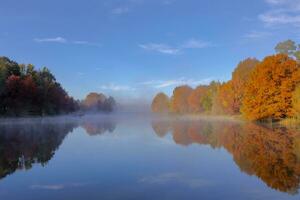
[288,47]
[208,99]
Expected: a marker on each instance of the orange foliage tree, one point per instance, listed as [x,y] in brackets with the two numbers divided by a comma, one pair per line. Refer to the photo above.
[231,93]
[268,93]
[160,103]
[296,101]
[225,98]
[196,97]
[179,102]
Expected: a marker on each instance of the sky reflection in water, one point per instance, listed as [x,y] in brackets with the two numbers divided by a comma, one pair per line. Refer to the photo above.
[147,158]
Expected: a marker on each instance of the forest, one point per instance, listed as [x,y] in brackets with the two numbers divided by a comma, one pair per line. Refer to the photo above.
[26,91]
[267,90]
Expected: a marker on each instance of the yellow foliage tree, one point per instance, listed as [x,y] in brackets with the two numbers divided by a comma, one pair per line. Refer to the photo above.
[208,101]
[226,100]
[268,93]
[296,101]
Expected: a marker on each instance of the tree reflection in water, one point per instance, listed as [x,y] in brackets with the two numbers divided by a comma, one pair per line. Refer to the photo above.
[98,128]
[270,153]
[24,144]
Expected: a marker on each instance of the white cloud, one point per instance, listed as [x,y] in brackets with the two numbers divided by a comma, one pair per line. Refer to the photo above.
[256,35]
[130,5]
[173,50]
[282,12]
[173,177]
[275,2]
[56,39]
[168,2]
[65,41]
[48,187]
[57,186]
[120,10]
[195,44]
[115,87]
[176,82]
[280,18]
[160,179]
[82,42]
[80,73]
[161,48]
[285,4]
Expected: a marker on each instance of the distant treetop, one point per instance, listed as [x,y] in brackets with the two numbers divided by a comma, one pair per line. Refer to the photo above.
[98,102]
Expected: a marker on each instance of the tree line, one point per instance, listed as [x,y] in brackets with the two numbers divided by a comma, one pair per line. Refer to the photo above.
[26,91]
[258,90]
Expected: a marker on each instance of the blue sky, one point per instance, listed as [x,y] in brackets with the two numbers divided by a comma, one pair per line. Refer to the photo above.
[132,49]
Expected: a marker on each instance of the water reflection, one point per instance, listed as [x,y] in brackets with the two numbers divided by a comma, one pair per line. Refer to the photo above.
[24,144]
[98,127]
[272,154]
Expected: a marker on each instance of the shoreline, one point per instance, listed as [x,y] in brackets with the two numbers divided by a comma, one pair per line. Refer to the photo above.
[289,122]
[212,117]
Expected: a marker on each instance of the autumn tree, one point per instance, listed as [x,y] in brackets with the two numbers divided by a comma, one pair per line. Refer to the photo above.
[179,101]
[28,95]
[296,101]
[225,99]
[196,98]
[98,102]
[7,68]
[209,99]
[92,99]
[268,93]
[160,103]
[26,91]
[231,94]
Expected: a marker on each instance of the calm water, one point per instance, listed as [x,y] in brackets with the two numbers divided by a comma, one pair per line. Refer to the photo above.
[138,157]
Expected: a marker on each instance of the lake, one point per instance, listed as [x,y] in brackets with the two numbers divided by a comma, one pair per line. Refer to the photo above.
[146,157]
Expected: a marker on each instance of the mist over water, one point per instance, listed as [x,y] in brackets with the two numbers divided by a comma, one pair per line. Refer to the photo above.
[143,156]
